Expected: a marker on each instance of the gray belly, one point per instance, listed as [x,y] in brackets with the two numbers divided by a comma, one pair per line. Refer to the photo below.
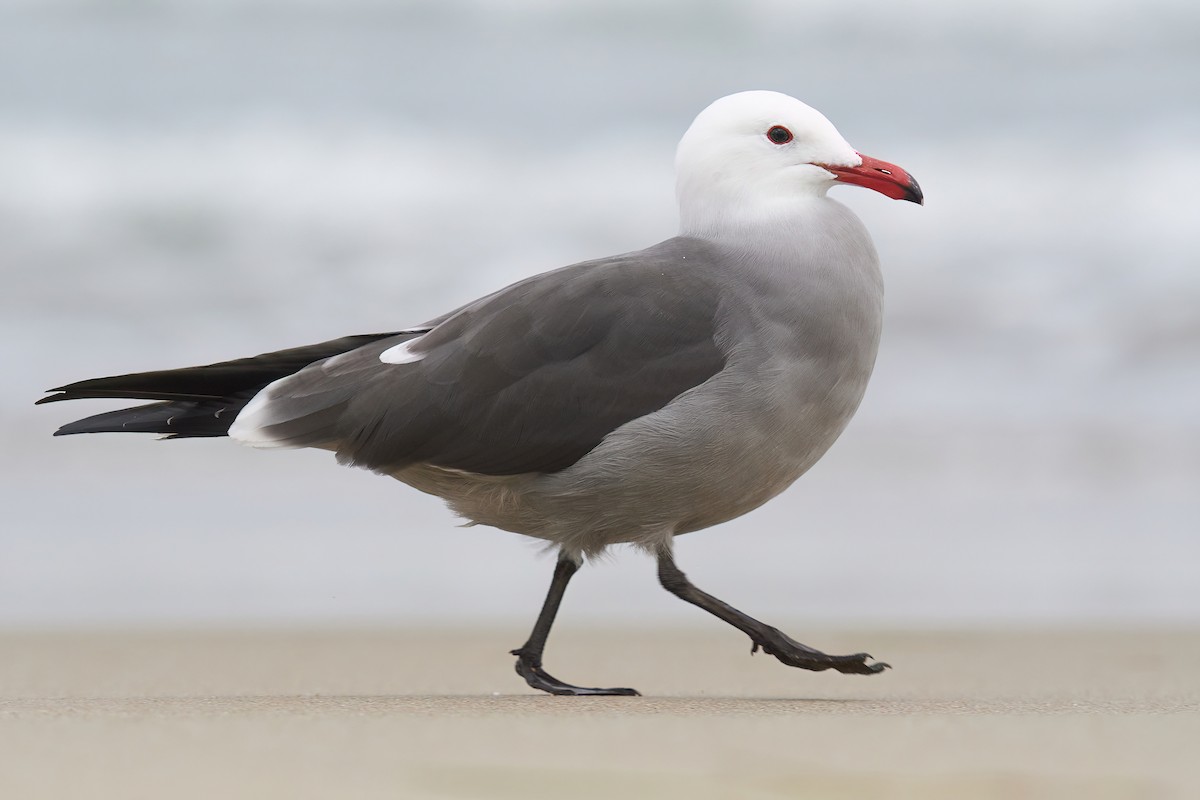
[715,453]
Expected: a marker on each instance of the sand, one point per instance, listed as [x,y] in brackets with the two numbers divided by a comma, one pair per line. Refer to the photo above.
[413,714]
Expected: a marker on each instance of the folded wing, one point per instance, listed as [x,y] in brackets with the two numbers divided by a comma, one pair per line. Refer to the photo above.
[528,379]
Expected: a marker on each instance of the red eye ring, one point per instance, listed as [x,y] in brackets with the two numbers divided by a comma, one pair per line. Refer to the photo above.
[779,134]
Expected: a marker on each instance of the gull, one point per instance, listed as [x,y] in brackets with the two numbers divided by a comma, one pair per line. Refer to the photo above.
[625,400]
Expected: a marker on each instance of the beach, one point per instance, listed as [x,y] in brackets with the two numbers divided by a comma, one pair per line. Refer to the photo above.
[413,713]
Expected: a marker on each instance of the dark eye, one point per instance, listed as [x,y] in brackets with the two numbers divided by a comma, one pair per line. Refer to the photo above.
[779,134]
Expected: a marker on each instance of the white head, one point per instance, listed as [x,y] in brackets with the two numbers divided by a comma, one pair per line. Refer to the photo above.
[755,157]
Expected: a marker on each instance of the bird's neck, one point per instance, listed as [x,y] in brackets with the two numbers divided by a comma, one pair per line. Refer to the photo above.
[777,219]
[809,234]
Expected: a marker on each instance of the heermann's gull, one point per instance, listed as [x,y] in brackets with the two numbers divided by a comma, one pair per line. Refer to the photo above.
[628,399]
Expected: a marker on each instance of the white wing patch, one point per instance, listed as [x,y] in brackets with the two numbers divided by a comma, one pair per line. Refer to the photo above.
[248,426]
[402,353]
[261,413]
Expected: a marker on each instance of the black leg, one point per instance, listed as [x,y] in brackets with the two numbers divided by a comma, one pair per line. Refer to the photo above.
[772,640]
[529,656]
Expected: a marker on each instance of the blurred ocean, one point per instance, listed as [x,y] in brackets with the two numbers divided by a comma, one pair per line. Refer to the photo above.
[190,181]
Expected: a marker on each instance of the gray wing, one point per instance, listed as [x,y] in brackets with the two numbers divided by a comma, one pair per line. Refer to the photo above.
[528,379]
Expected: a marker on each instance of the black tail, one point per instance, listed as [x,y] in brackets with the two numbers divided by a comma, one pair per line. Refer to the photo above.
[194,401]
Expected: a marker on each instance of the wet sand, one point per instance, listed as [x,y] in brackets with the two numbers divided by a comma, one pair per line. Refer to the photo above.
[413,714]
